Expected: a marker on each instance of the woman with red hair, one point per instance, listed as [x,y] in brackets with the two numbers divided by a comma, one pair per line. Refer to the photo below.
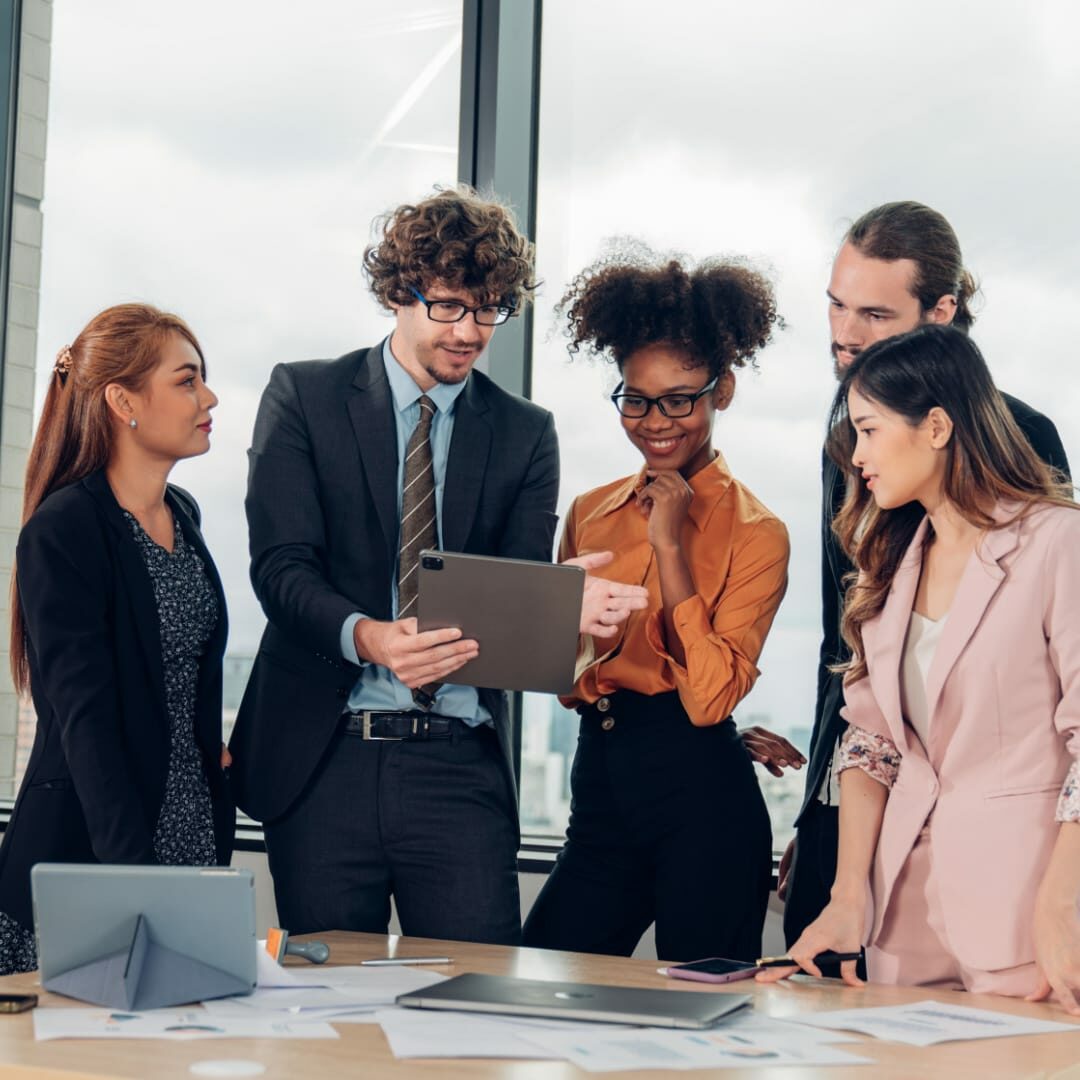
[118,620]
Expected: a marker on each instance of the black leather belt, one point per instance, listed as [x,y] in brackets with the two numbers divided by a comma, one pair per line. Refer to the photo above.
[398,726]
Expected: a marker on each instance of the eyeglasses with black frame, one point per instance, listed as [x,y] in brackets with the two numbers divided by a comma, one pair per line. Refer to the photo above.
[673,406]
[450,311]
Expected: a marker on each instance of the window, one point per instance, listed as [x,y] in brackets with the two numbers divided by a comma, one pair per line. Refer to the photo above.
[725,128]
[225,161]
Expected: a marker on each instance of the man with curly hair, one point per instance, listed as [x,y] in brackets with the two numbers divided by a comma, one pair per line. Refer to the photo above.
[374,775]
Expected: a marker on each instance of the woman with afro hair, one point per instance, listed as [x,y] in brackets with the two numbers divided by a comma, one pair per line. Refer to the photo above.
[667,822]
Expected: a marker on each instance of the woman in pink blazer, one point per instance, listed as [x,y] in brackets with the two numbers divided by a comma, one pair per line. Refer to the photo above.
[960,789]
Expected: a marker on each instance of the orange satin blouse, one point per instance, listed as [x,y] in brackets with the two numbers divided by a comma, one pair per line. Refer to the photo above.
[737,552]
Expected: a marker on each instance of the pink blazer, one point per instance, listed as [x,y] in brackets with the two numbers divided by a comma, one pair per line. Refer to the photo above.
[1003,693]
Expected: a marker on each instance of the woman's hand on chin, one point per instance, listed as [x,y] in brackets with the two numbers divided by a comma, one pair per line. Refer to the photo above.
[665,501]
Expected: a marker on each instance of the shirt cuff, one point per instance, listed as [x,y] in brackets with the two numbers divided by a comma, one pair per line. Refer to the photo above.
[348,640]
[874,754]
[691,624]
[1068,807]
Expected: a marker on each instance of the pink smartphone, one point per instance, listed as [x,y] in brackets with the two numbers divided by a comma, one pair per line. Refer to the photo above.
[714,970]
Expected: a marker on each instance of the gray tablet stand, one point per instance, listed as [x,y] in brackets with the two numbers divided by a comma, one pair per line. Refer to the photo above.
[145,975]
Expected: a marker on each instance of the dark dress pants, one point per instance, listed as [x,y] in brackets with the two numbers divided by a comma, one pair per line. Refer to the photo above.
[813,868]
[812,873]
[431,822]
[667,825]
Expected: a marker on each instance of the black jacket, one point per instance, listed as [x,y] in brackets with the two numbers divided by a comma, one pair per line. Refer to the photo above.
[828,724]
[323,525]
[95,780]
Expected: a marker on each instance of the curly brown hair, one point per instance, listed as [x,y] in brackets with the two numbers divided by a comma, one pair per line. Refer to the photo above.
[455,237]
[721,311]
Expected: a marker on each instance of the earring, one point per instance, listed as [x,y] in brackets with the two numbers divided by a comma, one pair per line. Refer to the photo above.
[132,422]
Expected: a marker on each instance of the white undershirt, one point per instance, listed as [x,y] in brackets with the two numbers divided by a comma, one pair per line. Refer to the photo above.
[921,643]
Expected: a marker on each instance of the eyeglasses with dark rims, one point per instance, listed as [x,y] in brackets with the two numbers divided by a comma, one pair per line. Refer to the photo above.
[449,311]
[673,406]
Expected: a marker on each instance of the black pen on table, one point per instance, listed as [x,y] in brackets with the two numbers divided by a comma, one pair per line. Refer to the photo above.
[826,957]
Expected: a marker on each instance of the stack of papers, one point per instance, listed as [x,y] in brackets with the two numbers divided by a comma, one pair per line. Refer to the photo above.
[740,1041]
[743,1040]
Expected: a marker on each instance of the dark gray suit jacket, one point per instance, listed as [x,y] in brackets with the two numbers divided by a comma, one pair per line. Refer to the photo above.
[322,514]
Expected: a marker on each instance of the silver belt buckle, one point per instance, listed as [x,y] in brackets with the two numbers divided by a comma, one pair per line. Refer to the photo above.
[366,730]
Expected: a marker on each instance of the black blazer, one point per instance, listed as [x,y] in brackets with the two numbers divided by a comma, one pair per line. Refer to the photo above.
[323,525]
[95,780]
[828,724]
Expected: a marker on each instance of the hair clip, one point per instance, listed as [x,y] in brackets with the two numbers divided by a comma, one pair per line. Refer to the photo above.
[63,362]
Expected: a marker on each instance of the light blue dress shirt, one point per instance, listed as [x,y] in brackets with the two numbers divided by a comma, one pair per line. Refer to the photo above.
[377,687]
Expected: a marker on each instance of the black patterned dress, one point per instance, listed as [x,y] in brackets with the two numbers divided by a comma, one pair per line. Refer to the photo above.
[187,613]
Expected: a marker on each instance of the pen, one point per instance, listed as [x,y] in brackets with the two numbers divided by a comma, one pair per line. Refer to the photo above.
[394,961]
[826,957]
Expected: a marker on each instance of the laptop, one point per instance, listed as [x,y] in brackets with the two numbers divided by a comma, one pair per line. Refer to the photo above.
[144,937]
[524,615]
[576,1001]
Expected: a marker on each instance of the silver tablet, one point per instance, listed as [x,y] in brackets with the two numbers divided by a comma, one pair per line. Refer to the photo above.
[524,615]
[144,937]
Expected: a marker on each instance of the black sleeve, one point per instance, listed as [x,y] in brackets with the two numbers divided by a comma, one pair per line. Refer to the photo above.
[530,530]
[1046,442]
[65,599]
[828,724]
[1041,433]
[286,524]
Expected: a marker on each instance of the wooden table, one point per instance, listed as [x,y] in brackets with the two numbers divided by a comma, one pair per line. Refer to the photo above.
[362,1053]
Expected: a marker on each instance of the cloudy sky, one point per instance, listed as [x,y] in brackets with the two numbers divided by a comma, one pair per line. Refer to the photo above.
[225,160]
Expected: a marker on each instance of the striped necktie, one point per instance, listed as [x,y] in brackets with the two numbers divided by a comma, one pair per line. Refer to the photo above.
[419,529]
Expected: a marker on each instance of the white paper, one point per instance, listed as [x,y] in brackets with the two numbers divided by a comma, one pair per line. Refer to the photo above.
[174,1024]
[323,992]
[761,1027]
[432,1033]
[297,999]
[379,984]
[424,1033]
[925,1023]
[235,1009]
[435,1033]
[657,1048]
[268,972]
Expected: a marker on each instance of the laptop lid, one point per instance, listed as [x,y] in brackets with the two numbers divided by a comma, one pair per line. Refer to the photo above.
[143,937]
[524,615]
[576,1001]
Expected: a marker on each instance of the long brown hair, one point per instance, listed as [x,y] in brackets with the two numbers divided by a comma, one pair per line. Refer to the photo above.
[74,436]
[988,458]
